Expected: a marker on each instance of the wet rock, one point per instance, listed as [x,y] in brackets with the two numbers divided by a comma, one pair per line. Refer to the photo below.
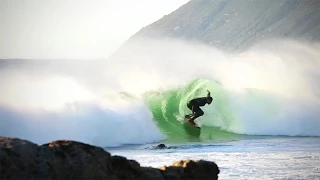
[161,146]
[20,159]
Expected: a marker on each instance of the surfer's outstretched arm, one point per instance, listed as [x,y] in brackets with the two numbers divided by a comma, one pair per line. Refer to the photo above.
[208,95]
[209,98]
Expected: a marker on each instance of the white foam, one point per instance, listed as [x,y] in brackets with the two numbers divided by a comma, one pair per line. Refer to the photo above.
[107,125]
[256,113]
[33,98]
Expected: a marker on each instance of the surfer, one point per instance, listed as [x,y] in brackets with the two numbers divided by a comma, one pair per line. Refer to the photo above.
[194,106]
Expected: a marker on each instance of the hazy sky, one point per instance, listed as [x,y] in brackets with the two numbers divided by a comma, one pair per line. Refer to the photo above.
[74,28]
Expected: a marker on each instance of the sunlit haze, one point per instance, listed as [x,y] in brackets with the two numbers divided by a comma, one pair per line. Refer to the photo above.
[68,73]
[76,29]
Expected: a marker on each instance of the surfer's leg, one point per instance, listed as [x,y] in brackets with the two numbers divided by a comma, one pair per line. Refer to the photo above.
[197,113]
[189,107]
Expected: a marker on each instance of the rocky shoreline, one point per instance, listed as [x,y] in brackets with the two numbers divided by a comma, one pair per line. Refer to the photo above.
[21,159]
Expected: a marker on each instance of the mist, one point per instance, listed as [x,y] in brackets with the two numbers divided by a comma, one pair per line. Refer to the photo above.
[83,100]
[281,65]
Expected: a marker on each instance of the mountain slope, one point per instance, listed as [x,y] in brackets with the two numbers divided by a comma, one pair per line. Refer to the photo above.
[237,24]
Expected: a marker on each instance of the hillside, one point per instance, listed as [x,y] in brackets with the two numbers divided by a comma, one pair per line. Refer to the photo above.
[237,24]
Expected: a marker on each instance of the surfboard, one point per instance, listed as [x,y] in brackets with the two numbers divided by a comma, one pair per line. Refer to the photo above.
[190,123]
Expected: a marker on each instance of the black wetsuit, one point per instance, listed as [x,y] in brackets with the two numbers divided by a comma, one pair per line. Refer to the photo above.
[194,106]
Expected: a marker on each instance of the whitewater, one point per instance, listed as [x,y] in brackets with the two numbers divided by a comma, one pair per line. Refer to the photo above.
[139,97]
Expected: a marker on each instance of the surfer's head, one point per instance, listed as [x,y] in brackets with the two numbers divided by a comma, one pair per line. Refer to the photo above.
[209,100]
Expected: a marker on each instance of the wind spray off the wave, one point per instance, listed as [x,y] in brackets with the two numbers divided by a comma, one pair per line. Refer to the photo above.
[49,107]
[259,92]
[263,91]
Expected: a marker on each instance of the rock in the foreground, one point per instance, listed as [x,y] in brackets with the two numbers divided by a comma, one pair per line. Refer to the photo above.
[20,159]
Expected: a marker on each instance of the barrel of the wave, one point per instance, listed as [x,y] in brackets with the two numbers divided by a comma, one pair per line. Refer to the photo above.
[169,108]
[164,106]
[217,115]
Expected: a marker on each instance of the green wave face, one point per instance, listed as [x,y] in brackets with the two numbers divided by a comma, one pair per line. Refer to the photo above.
[169,108]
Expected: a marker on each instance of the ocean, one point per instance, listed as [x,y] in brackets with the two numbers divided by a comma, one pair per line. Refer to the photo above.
[263,122]
[251,158]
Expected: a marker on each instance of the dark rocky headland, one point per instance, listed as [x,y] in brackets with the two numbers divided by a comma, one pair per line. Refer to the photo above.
[21,159]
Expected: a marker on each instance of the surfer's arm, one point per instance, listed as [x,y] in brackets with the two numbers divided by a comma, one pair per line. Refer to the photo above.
[208,95]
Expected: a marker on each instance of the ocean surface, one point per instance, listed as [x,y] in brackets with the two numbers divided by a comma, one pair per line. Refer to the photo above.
[263,123]
[252,158]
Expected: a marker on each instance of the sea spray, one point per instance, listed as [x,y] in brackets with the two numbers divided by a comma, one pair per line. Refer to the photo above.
[271,89]
[250,112]
[110,123]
